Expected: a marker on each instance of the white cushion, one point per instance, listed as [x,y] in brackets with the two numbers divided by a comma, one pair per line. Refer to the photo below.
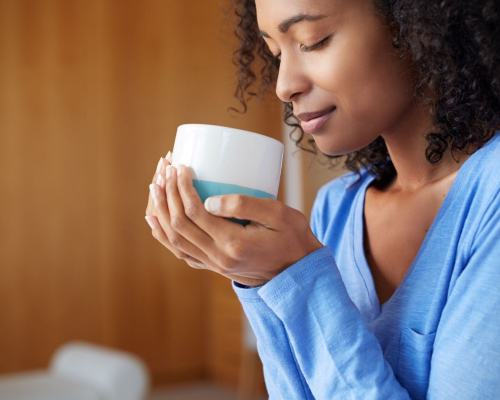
[114,374]
[39,385]
[81,371]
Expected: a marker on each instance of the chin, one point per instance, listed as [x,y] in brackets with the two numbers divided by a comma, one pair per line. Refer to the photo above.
[331,147]
[337,149]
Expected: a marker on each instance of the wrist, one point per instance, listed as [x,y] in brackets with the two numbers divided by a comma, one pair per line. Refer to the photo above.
[251,283]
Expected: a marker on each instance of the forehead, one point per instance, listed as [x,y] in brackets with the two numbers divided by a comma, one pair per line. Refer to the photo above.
[271,13]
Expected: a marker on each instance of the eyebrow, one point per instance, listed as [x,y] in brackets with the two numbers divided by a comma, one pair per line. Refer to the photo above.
[286,24]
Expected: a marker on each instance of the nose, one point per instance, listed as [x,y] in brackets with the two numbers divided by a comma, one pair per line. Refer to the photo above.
[292,82]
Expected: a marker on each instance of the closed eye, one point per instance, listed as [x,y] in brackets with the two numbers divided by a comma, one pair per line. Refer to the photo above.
[277,58]
[316,46]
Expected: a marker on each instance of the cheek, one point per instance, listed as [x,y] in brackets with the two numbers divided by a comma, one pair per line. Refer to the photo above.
[368,77]
[369,85]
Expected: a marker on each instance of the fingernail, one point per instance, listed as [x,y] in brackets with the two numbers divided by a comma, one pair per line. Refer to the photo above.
[154,191]
[179,168]
[169,156]
[212,204]
[159,181]
[160,164]
[169,171]
[149,221]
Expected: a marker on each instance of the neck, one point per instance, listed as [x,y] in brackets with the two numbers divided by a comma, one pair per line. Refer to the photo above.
[406,143]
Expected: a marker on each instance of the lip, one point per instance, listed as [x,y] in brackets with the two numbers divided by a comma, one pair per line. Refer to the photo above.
[313,121]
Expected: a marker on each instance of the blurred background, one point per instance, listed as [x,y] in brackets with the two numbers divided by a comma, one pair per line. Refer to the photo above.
[91,94]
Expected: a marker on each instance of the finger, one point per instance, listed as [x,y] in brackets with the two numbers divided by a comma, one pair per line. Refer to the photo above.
[266,212]
[217,228]
[195,265]
[160,235]
[180,215]
[150,206]
[162,213]
[160,170]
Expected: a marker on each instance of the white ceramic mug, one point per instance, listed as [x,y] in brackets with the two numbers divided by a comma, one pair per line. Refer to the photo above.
[227,160]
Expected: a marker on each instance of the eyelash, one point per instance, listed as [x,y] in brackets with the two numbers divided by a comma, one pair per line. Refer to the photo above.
[315,46]
[306,48]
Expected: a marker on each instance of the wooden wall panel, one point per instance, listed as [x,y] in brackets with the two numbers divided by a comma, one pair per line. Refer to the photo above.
[47,257]
[91,93]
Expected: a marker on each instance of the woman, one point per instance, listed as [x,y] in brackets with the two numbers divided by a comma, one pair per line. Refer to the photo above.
[394,290]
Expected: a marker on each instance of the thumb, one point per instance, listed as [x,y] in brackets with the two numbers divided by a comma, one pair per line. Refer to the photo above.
[243,207]
[213,205]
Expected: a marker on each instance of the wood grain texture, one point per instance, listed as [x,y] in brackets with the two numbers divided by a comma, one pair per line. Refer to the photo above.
[91,94]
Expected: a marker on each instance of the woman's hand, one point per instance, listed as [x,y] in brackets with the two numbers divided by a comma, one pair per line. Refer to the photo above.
[277,236]
[158,178]
[150,209]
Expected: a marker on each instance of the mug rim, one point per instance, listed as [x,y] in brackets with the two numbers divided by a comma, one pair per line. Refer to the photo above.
[235,129]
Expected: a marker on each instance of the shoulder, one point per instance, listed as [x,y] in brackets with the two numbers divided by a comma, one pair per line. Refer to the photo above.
[474,205]
[487,158]
[480,182]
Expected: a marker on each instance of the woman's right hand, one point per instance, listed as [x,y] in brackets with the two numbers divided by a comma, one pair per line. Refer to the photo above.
[152,220]
[159,179]
[162,236]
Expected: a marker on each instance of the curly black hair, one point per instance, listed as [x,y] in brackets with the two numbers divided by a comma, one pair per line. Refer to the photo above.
[455,50]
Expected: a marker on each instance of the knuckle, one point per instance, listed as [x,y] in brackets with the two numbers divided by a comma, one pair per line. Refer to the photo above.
[239,202]
[176,223]
[236,249]
[222,263]
[299,218]
[282,211]
[303,219]
[174,239]
[192,211]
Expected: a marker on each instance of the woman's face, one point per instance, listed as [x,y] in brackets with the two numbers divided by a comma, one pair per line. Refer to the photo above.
[337,55]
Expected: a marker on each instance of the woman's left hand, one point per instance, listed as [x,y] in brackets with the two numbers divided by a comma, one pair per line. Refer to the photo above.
[277,236]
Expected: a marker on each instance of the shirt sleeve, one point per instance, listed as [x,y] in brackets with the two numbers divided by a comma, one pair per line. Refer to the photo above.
[314,344]
[466,359]
[282,375]
[310,336]
[337,355]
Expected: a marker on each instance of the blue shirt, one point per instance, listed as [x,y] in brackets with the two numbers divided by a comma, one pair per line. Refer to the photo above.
[322,333]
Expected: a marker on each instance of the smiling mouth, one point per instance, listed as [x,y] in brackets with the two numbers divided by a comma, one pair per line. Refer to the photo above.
[305,117]
[312,122]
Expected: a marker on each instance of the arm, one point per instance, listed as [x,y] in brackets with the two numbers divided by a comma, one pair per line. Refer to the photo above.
[281,372]
[294,319]
[337,355]
[339,358]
